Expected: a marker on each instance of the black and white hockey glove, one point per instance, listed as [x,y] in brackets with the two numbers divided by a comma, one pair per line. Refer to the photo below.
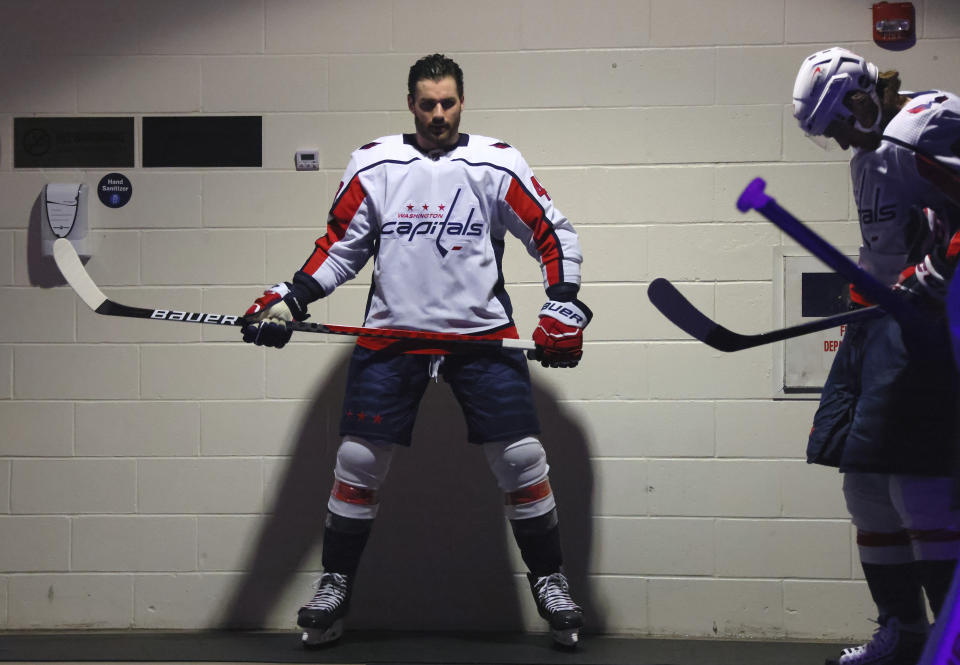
[559,334]
[266,319]
[928,280]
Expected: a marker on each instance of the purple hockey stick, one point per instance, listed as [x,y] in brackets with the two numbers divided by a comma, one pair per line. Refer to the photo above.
[754,198]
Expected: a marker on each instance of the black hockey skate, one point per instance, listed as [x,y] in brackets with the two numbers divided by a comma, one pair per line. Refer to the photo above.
[890,645]
[552,595]
[322,618]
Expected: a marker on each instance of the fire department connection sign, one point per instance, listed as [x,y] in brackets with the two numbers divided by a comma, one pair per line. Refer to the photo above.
[810,291]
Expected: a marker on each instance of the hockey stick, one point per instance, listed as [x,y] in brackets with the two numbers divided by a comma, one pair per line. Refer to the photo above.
[754,198]
[943,644]
[80,281]
[681,312]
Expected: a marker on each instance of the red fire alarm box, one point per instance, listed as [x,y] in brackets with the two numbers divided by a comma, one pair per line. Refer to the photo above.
[894,25]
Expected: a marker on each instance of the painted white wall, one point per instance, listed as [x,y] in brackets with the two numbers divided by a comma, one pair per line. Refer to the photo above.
[146,469]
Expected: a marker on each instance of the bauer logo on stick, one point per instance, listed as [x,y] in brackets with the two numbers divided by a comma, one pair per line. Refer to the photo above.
[193,317]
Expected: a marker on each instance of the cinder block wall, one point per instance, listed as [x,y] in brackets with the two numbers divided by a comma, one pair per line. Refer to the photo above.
[168,476]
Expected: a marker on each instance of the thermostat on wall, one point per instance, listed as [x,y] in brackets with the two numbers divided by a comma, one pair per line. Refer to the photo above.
[307,160]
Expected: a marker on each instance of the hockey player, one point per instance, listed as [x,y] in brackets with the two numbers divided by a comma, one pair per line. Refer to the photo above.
[888,412]
[432,210]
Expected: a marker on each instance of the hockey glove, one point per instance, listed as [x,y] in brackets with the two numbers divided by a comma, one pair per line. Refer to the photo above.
[268,316]
[559,334]
[928,280]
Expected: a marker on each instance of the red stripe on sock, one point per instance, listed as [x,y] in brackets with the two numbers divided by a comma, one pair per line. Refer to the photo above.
[877,539]
[529,494]
[352,494]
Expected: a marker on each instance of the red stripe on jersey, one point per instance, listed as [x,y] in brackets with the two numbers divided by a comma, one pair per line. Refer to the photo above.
[340,216]
[530,212]
[877,539]
[940,175]
[529,494]
[352,494]
[380,343]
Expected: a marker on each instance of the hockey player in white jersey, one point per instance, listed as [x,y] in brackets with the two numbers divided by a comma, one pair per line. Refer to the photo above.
[432,209]
[888,412]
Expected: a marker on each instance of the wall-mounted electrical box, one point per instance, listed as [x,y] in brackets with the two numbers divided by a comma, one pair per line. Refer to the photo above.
[64,215]
[806,290]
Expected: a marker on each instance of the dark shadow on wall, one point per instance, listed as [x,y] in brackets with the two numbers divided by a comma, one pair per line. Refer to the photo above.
[440,555]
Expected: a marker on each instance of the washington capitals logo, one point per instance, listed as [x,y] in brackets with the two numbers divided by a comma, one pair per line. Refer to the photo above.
[435,222]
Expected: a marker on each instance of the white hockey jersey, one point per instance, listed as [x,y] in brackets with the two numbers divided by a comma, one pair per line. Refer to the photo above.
[435,226]
[905,174]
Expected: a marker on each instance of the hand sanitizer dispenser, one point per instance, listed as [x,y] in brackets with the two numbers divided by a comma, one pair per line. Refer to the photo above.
[64,215]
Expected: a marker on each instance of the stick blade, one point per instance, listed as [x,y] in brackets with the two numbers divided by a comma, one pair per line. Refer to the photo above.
[681,312]
[65,256]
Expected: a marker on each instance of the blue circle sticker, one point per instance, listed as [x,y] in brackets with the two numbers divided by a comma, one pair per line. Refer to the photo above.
[114,190]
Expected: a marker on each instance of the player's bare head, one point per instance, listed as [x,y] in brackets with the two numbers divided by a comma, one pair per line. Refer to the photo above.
[434,67]
[436,101]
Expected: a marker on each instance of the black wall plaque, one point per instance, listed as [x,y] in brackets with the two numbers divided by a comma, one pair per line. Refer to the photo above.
[823,294]
[72,142]
[202,141]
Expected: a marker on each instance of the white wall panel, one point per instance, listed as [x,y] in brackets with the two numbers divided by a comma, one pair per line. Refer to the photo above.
[643,118]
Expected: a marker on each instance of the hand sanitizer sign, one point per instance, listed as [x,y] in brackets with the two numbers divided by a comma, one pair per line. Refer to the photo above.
[114,190]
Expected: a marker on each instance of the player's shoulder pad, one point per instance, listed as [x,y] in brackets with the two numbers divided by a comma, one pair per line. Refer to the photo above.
[494,150]
[927,101]
[377,148]
[923,111]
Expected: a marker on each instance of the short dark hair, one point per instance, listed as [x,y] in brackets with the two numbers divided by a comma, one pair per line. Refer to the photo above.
[434,67]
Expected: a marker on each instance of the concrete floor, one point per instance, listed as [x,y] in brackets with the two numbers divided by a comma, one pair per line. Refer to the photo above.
[398,648]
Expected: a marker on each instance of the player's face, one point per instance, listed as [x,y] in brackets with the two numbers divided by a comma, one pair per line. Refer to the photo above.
[862,107]
[865,111]
[846,135]
[436,108]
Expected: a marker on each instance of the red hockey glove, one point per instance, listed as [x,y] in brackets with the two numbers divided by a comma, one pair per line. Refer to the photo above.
[559,334]
[268,315]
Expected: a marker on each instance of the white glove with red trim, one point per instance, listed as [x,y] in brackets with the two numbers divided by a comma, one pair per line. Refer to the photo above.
[267,317]
[559,334]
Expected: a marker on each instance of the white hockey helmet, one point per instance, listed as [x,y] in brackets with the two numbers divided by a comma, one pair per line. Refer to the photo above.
[823,81]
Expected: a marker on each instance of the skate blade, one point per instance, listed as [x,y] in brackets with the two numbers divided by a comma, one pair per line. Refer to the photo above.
[313,637]
[568,637]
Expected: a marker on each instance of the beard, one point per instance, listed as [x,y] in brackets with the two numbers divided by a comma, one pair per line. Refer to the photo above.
[439,135]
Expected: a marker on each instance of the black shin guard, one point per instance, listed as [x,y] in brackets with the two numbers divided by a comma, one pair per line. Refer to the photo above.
[896,591]
[936,576]
[539,541]
[343,541]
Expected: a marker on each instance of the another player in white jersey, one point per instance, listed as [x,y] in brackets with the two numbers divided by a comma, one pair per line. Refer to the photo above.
[432,209]
[888,412]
